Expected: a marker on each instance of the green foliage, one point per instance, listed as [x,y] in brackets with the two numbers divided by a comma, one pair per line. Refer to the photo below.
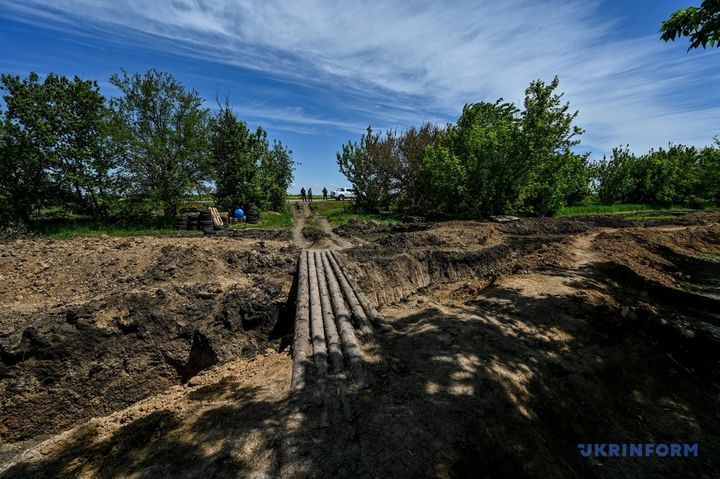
[339,213]
[503,160]
[236,154]
[444,179]
[676,175]
[486,142]
[495,159]
[701,24]
[166,138]
[708,186]
[245,168]
[409,152]
[552,172]
[52,146]
[601,209]
[64,149]
[369,166]
[276,175]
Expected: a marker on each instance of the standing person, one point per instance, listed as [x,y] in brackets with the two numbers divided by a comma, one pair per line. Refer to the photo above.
[302,193]
[324,194]
[310,195]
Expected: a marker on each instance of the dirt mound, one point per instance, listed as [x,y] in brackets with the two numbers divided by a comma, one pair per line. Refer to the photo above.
[364,228]
[126,318]
[274,235]
[466,235]
[666,255]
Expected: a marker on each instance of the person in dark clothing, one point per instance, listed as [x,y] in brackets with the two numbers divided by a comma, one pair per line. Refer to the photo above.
[324,194]
[302,193]
[310,195]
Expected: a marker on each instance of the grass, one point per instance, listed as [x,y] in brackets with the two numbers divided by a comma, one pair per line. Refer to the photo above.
[73,226]
[269,220]
[616,208]
[340,212]
[648,217]
[66,228]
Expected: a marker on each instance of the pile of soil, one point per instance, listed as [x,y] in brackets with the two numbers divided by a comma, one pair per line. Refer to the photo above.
[90,326]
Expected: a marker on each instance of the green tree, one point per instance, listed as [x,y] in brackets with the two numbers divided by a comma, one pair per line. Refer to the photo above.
[617,177]
[369,166]
[237,154]
[676,175]
[485,140]
[708,186]
[701,24]
[276,175]
[410,151]
[54,131]
[551,170]
[444,180]
[166,140]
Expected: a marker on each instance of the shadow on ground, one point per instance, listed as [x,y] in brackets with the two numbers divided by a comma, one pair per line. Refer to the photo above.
[502,385]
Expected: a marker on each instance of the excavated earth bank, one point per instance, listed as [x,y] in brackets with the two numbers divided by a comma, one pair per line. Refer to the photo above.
[509,344]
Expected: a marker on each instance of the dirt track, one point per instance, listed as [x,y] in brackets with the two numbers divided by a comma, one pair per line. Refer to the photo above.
[510,344]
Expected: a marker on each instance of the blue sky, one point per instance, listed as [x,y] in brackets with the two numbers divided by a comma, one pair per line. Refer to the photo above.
[316,73]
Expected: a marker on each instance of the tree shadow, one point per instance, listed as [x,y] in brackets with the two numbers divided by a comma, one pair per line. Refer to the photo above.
[510,384]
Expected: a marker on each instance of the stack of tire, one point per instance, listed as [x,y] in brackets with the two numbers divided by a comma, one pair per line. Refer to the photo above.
[251,214]
[181,222]
[205,222]
[192,221]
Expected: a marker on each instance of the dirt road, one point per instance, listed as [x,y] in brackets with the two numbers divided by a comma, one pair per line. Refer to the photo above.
[312,230]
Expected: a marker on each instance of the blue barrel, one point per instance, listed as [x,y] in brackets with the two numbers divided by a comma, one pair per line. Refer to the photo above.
[239,213]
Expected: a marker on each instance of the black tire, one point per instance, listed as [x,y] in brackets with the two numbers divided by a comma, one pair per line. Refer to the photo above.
[341,197]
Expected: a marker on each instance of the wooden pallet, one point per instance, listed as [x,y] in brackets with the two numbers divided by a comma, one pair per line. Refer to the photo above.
[217,221]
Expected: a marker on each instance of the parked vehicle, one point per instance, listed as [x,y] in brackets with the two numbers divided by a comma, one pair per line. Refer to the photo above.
[343,193]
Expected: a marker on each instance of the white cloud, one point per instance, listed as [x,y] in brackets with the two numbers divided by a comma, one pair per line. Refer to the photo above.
[405,62]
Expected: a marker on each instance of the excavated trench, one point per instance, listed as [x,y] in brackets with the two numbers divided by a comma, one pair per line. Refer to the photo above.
[72,363]
[63,362]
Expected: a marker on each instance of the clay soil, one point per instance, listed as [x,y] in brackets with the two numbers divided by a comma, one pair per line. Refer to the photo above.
[509,344]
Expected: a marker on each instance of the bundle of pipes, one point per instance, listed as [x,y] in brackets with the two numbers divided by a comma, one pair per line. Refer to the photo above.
[329,308]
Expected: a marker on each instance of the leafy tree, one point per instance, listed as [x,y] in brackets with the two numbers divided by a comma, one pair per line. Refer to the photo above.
[444,179]
[368,165]
[701,24]
[677,175]
[485,140]
[166,138]
[54,153]
[551,169]
[708,186]
[616,176]
[276,175]
[237,154]
[410,151]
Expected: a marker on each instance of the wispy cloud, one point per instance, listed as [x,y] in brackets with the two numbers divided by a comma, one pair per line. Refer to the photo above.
[398,63]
